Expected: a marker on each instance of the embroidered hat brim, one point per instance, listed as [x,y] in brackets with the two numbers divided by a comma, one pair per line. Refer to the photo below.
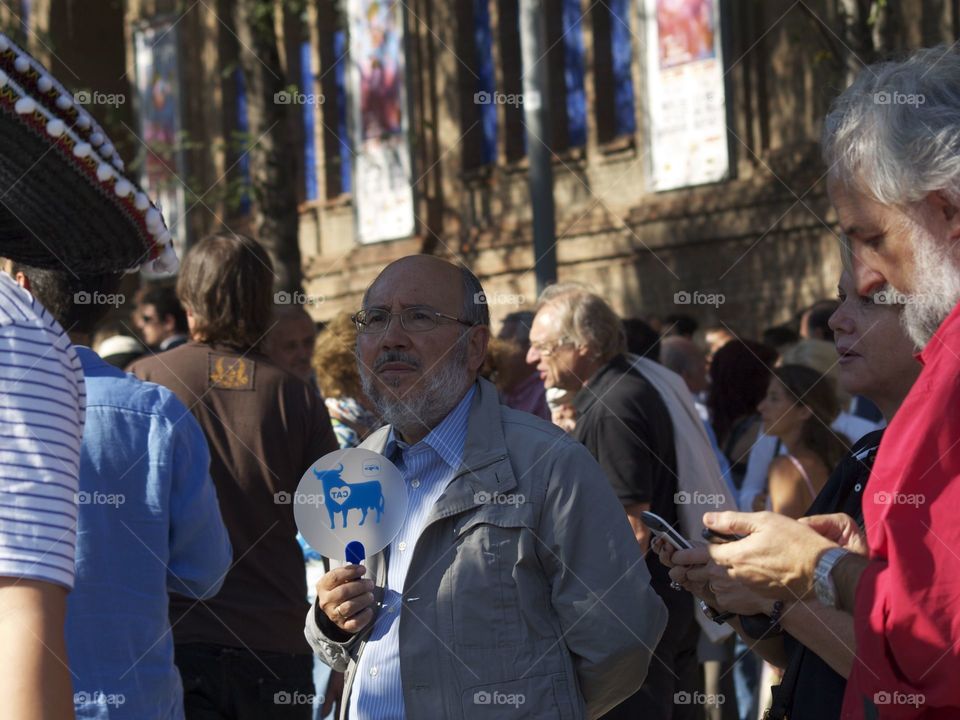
[65,201]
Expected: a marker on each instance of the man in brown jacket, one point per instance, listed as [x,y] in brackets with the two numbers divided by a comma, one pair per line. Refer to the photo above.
[243,654]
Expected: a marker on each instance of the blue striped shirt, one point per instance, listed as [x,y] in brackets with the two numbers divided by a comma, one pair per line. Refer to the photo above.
[42,403]
[427,468]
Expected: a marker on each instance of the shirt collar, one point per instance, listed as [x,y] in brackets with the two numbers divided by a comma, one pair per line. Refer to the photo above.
[446,439]
[946,336]
[593,388]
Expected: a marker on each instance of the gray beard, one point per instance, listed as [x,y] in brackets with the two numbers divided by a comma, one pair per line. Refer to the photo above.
[937,274]
[428,402]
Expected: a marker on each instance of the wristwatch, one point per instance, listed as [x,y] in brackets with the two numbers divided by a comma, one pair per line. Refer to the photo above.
[823,585]
[718,617]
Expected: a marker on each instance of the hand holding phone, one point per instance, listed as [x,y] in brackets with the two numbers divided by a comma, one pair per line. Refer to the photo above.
[661,528]
[715,537]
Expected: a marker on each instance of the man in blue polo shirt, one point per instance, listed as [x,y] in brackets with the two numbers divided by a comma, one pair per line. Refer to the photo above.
[148,520]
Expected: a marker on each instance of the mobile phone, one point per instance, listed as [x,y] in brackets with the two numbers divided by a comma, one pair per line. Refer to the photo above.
[661,528]
[716,537]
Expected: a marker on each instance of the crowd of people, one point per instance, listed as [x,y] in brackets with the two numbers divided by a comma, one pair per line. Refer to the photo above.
[607,517]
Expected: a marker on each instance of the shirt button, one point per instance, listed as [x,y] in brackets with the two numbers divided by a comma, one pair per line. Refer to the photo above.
[402,546]
[373,672]
[415,483]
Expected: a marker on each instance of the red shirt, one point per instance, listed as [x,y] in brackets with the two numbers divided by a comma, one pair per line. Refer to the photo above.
[907,615]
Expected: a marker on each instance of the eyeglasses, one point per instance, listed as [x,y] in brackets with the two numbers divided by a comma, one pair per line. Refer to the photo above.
[548,349]
[412,319]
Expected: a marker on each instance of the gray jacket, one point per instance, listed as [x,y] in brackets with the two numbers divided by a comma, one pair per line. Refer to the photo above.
[527,595]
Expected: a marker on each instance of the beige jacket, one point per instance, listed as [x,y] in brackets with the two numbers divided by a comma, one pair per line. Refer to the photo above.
[540,594]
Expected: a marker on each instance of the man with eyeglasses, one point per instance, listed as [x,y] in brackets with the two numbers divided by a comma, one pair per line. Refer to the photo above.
[511,590]
[579,345]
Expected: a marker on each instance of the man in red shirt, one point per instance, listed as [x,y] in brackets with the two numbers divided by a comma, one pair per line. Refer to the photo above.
[892,143]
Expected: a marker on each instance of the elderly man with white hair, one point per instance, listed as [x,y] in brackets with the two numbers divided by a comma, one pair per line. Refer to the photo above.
[892,146]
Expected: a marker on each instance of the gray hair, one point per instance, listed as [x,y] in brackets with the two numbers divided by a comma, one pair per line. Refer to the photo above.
[586,318]
[894,134]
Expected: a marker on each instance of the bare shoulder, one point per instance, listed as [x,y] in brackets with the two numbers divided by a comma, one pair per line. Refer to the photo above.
[782,471]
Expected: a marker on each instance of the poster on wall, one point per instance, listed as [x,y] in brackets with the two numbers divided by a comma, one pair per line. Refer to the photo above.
[383,192]
[158,104]
[685,91]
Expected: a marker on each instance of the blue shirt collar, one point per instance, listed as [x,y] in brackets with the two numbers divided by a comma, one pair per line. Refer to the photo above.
[447,439]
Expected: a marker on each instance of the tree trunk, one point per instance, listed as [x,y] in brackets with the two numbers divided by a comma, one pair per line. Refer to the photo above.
[271,158]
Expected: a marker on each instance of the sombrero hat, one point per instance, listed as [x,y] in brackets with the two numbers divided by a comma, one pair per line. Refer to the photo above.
[65,201]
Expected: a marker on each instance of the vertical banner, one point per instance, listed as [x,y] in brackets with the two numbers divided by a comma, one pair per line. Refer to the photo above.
[158,94]
[685,91]
[382,192]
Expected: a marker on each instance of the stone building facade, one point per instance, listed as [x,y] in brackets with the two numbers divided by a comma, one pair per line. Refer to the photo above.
[764,238]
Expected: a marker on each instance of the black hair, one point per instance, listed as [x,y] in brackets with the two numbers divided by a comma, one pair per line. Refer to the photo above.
[78,301]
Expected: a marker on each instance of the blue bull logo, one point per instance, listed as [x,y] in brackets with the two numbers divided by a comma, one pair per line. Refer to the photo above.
[341,497]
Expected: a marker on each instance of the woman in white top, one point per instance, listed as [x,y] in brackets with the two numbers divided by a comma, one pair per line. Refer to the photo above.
[798,409]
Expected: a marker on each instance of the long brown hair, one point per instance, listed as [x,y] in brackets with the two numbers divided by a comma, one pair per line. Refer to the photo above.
[816,393]
[226,282]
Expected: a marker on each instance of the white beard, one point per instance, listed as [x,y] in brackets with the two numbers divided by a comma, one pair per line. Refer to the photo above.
[426,403]
[936,272]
